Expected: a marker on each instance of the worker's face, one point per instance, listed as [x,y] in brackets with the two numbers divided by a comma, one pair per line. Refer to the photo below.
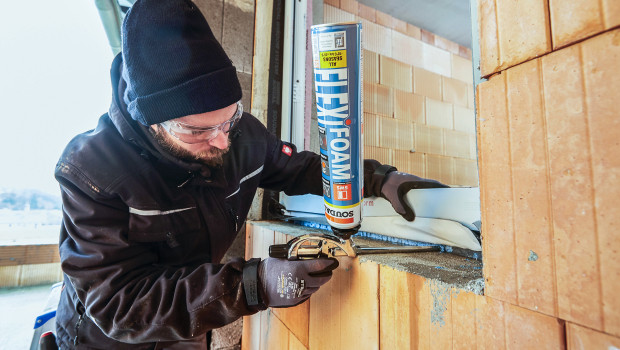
[208,151]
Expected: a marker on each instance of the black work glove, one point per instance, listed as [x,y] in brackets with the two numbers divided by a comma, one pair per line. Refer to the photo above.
[395,187]
[286,283]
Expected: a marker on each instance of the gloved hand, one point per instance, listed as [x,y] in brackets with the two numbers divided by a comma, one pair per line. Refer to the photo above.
[395,187]
[285,283]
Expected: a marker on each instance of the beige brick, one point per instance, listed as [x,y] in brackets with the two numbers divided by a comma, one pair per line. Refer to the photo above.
[377,38]
[464,120]
[463,319]
[578,338]
[402,160]
[278,334]
[383,155]
[371,130]
[251,332]
[454,91]
[400,26]
[575,245]
[414,31]
[427,83]
[611,13]
[489,44]
[367,12]
[465,52]
[601,64]
[395,74]
[446,44]
[409,106]
[333,14]
[440,168]
[523,30]
[378,99]
[462,69]
[350,6]
[527,329]
[388,134]
[491,328]
[532,213]
[407,49]
[572,20]
[457,144]
[348,325]
[9,275]
[385,101]
[405,135]
[429,139]
[465,172]
[439,114]
[385,20]
[437,60]
[296,319]
[37,274]
[334,3]
[417,164]
[427,37]
[496,191]
[371,67]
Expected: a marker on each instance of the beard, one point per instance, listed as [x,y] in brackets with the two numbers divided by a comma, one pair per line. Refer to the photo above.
[213,157]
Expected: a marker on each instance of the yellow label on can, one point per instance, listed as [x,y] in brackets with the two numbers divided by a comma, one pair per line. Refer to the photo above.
[334,59]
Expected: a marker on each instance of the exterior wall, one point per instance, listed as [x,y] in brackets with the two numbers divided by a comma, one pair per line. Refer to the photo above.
[549,160]
[367,305]
[418,96]
[27,265]
[513,32]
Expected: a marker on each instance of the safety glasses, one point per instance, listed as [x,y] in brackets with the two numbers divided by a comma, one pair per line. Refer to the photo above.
[195,134]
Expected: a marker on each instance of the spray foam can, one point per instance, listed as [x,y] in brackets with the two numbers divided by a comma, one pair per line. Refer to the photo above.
[337,60]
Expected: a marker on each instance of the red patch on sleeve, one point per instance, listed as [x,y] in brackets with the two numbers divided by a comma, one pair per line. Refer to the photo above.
[287,150]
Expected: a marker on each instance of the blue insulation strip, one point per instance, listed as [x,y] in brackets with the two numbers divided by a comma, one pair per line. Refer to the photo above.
[376,237]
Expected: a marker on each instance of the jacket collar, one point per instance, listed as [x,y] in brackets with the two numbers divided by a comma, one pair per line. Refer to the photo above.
[133,132]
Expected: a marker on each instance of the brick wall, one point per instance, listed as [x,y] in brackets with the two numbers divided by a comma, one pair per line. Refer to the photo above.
[549,160]
[369,305]
[418,96]
[27,265]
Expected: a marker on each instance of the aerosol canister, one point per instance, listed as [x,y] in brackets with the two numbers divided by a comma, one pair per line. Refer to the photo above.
[337,60]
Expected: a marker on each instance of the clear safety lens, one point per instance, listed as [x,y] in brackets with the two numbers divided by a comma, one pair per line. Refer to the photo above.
[195,134]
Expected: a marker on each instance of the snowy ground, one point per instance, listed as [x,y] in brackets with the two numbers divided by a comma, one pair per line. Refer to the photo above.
[29,234]
[19,227]
[20,307]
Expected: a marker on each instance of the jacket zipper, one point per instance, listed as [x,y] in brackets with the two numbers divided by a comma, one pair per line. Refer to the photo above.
[77,329]
[226,209]
[234,217]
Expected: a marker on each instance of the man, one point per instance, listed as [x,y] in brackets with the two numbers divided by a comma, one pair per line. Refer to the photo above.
[156,193]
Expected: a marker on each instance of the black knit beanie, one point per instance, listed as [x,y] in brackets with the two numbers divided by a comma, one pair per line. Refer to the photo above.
[173,65]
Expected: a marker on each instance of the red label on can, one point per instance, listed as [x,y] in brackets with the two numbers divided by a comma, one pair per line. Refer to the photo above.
[342,192]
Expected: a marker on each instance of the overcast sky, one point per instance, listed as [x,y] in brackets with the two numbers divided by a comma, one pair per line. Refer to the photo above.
[54,84]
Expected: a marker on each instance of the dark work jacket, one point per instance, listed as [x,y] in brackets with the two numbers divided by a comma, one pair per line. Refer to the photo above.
[143,233]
